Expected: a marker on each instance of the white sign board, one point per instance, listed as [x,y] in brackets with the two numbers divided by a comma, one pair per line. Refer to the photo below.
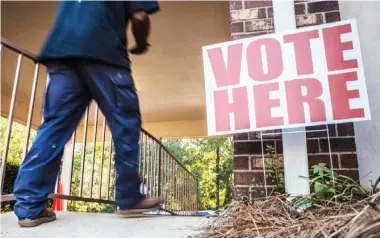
[310,76]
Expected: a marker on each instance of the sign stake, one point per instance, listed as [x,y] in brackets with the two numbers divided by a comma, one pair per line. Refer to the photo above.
[294,144]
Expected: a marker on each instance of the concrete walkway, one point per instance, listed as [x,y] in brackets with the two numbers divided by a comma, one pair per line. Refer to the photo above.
[78,225]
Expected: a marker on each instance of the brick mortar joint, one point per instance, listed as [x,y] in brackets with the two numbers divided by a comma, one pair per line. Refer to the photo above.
[332,137]
[232,22]
[347,169]
[331,11]
[324,17]
[316,13]
[334,153]
[249,33]
[313,1]
[256,140]
[248,9]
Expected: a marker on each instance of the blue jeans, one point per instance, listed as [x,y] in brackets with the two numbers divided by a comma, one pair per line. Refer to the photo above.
[72,85]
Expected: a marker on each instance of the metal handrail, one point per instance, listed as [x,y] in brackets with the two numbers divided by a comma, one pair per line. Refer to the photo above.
[167,151]
[16,48]
[162,173]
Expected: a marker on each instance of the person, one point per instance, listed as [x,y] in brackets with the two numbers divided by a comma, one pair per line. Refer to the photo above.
[86,58]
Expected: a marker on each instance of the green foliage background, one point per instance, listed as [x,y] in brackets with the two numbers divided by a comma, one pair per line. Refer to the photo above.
[199,156]
[15,153]
[97,191]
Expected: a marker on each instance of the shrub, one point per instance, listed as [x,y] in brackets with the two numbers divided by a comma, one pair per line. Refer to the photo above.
[11,171]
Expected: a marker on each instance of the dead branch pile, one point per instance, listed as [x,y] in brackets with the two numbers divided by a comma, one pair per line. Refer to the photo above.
[276,217]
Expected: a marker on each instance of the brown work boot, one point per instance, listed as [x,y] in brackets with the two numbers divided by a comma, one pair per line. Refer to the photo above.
[47,216]
[145,205]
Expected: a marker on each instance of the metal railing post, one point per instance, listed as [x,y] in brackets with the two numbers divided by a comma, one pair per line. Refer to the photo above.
[10,121]
[94,150]
[159,172]
[72,160]
[197,195]
[30,113]
[83,153]
[109,168]
[102,157]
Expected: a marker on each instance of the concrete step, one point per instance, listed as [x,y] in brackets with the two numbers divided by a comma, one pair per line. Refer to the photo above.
[78,225]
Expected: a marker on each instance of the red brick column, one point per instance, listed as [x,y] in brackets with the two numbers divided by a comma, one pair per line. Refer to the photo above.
[252,18]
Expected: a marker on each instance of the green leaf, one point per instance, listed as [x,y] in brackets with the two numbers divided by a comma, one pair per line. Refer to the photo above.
[315,169]
[376,183]
[319,169]
[329,190]
[318,187]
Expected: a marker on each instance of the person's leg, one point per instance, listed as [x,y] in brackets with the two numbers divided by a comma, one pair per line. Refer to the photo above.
[114,91]
[66,99]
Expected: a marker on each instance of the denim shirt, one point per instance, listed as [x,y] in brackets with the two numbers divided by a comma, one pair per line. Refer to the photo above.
[93,30]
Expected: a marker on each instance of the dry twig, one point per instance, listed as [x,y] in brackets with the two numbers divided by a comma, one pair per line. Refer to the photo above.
[276,217]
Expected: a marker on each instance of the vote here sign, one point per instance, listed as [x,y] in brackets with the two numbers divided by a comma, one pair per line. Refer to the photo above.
[304,77]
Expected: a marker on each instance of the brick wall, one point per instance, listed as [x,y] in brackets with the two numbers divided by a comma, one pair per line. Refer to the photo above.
[252,18]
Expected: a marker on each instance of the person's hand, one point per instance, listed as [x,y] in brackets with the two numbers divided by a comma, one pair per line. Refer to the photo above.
[140,30]
[139,16]
[139,49]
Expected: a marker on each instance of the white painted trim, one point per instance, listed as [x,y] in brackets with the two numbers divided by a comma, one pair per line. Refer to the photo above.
[367,134]
[294,144]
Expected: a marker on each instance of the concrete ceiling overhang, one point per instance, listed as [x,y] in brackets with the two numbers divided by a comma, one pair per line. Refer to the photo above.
[169,78]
